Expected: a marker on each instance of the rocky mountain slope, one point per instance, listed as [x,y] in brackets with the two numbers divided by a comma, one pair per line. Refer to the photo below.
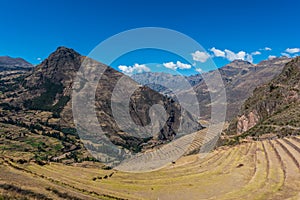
[39,103]
[274,108]
[9,63]
[241,78]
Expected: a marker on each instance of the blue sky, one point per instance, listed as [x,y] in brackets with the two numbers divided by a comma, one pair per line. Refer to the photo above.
[33,29]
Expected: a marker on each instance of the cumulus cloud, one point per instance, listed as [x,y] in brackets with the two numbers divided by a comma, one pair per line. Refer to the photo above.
[39,59]
[231,56]
[200,56]
[136,68]
[255,53]
[218,52]
[170,65]
[177,65]
[271,57]
[292,50]
[181,65]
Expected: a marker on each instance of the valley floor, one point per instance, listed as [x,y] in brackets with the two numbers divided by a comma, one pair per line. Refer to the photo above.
[266,169]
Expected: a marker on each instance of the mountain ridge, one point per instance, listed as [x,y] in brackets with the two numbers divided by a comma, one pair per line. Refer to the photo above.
[9,63]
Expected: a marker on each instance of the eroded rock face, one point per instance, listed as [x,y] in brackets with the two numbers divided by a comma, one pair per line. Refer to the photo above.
[245,122]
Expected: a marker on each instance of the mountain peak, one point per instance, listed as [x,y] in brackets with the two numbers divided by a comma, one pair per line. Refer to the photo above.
[240,62]
[237,65]
[63,48]
[60,66]
[63,57]
[64,52]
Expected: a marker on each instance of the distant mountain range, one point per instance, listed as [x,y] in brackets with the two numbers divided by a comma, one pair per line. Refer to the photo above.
[9,63]
[151,79]
[240,79]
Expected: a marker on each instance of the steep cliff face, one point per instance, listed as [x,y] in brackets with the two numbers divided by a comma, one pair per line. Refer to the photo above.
[247,121]
[273,107]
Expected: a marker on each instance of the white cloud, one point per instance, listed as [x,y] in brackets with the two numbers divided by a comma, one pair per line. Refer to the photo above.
[292,50]
[286,54]
[181,65]
[231,56]
[200,56]
[199,70]
[267,49]
[177,65]
[170,65]
[271,57]
[255,53]
[136,68]
[218,52]
[39,59]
